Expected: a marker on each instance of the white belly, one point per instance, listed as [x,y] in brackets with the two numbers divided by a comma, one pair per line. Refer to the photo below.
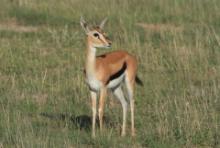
[116,82]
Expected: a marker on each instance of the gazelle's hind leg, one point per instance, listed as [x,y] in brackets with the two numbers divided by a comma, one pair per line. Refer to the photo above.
[119,94]
[130,89]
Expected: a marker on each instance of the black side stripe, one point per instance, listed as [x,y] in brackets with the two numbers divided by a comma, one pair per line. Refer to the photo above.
[118,74]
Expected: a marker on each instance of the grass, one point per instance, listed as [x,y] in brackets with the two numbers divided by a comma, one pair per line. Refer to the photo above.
[42,88]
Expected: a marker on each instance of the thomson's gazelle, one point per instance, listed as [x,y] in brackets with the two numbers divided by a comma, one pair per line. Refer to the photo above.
[108,71]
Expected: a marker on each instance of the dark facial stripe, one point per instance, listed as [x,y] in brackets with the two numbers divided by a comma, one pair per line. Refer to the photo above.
[102,40]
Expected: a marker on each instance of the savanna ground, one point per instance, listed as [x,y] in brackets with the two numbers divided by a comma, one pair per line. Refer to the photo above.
[43,97]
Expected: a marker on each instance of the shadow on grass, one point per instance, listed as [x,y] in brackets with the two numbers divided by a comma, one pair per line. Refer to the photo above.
[83,122]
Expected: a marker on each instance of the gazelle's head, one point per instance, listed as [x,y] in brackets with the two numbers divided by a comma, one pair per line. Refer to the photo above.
[96,36]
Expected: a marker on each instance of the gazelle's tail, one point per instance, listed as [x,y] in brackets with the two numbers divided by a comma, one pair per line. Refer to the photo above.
[138,81]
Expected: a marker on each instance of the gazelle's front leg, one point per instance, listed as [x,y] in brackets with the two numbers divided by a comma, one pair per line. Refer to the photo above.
[94,98]
[103,92]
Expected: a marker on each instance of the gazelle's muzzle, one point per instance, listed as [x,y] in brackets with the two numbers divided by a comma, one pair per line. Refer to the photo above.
[109,43]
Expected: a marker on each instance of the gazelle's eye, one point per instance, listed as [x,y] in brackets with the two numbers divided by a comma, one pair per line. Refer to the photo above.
[96,35]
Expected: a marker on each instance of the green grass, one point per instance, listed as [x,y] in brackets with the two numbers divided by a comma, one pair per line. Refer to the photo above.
[42,88]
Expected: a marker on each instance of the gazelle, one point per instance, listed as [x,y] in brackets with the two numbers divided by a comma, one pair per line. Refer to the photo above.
[108,71]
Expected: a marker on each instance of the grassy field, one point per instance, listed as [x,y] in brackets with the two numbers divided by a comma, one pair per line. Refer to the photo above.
[43,96]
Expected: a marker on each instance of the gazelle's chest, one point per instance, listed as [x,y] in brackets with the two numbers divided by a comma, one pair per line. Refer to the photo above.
[93,83]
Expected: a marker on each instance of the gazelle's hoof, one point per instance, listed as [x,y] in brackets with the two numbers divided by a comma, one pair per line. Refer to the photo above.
[123,134]
[133,134]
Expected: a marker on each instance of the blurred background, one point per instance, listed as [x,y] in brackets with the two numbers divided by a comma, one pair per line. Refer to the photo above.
[44,101]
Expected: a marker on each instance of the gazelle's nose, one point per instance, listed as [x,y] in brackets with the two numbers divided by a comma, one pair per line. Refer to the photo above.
[109,44]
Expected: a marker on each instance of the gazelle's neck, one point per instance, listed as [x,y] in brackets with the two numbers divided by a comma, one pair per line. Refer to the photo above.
[90,59]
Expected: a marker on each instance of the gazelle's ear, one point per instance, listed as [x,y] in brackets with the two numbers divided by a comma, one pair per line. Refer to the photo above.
[84,25]
[102,24]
